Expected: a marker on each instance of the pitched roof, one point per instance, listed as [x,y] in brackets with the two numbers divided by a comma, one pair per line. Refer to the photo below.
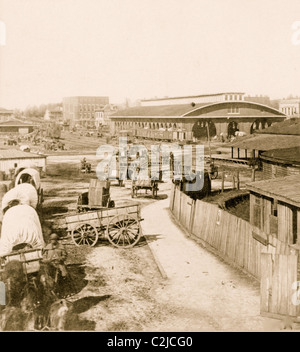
[266,142]
[285,189]
[285,156]
[192,96]
[160,110]
[291,126]
[17,154]
[15,123]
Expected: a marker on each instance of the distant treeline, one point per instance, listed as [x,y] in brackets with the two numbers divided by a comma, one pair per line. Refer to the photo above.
[37,111]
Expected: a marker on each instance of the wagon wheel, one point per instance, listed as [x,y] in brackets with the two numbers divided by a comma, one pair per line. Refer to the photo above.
[123,231]
[214,173]
[85,234]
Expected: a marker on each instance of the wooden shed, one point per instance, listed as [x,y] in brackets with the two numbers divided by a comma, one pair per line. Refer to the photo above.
[275,208]
[281,162]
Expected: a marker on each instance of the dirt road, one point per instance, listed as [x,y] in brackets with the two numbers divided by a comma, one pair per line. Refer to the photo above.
[206,293]
[125,291]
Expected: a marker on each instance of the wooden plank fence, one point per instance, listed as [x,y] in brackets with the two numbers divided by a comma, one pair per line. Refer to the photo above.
[244,245]
[229,235]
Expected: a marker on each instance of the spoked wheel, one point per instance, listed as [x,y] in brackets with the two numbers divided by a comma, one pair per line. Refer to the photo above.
[85,234]
[123,231]
[214,174]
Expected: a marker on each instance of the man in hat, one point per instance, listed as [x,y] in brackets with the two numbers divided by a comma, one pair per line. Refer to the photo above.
[55,254]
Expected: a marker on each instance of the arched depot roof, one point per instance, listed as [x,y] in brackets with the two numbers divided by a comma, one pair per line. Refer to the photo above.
[216,110]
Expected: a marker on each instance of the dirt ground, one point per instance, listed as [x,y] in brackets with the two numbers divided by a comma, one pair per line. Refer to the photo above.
[165,283]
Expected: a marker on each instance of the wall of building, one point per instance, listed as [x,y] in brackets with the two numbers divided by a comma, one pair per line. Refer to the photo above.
[7,164]
[290,107]
[81,110]
[272,170]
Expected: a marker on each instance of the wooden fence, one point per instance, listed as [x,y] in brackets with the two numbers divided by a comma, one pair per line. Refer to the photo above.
[267,258]
[235,240]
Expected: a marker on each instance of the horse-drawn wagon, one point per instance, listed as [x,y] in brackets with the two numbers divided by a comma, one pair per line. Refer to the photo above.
[97,217]
[120,225]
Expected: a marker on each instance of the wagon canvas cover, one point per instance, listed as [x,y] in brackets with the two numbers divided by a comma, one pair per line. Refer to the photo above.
[21,224]
[25,193]
[33,173]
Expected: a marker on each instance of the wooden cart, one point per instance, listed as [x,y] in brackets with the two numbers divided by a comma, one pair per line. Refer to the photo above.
[120,225]
[143,184]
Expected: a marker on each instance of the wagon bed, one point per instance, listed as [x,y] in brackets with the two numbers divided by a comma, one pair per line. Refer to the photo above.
[30,258]
[121,226]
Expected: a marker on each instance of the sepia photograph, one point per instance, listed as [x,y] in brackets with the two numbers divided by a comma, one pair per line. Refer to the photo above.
[149,168]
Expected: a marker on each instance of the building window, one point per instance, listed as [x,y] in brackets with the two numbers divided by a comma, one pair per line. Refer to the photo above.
[233,110]
[235,97]
[226,97]
[230,98]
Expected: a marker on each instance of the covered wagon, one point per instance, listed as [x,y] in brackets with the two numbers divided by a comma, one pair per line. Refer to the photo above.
[31,176]
[21,228]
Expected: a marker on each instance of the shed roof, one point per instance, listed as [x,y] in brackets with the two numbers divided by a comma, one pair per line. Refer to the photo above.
[285,189]
[290,127]
[285,156]
[6,154]
[266,142]
[15,123]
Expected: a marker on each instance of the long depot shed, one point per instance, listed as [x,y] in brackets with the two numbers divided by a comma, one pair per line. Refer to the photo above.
[11,158]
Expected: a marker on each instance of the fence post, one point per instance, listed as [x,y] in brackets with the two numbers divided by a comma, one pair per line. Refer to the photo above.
[253,174]
[223,179]
[238,179]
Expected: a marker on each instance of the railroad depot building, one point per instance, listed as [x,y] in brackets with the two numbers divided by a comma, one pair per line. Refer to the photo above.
[193,117]
[15,127]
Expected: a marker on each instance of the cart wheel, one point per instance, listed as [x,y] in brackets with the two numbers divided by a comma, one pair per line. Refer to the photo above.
[85,234]
[214,174]
[123,231]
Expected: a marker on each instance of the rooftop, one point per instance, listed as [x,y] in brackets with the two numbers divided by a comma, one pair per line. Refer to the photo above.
[181,110]
[291,126]
[285,189]
[265,142]
[192,96]
[15,123]
[17,154]
[286,155]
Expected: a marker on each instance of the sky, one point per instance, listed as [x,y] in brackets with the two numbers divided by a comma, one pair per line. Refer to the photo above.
[140,49]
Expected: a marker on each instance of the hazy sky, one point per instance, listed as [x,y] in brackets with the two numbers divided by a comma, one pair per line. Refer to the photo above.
[146,48]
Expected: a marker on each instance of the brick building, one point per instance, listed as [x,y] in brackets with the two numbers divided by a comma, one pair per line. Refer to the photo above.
[80,110]
[290,107]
